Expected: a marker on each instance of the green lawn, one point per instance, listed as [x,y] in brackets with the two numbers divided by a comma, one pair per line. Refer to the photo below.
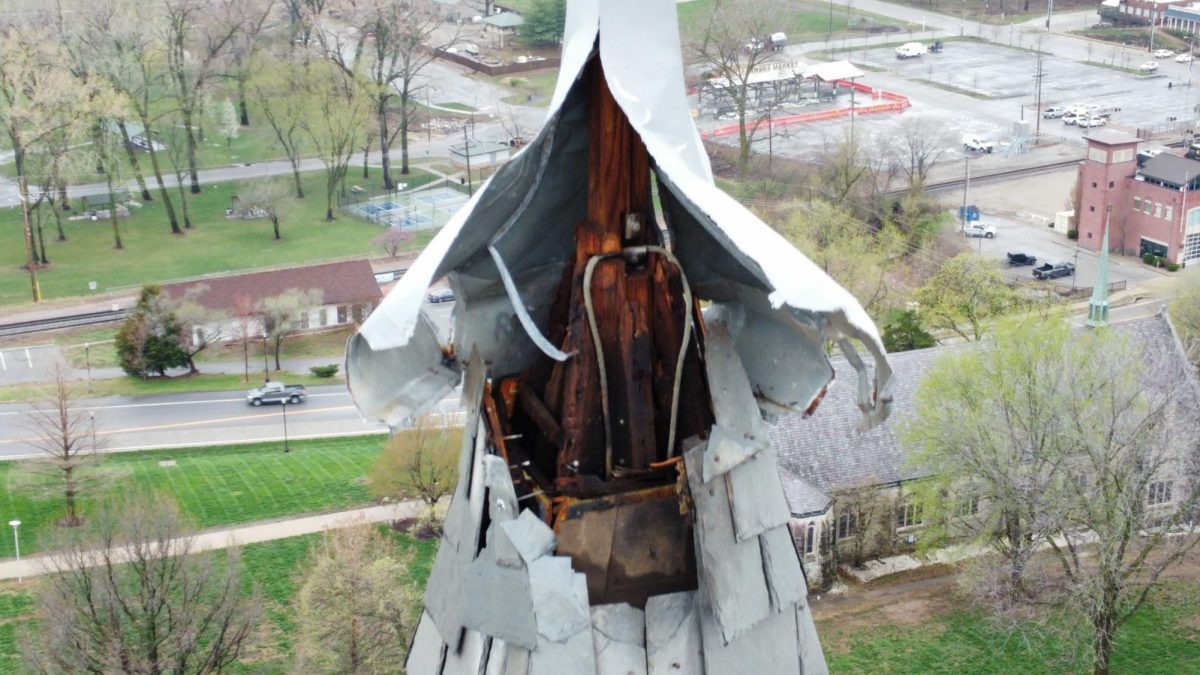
[216,486]
[215,244]
[277,567]
[1162,638]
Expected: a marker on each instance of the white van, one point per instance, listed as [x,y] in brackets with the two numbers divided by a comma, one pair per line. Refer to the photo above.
[911,50]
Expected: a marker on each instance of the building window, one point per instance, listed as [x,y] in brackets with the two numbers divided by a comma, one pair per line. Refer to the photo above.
[810,536]
[304,320]
[967,506]
[1093,183]
[343,314]
[1111,184]
[1170,213]
[1098,155]
[1193,217]
[1146,206]
[1092,209]
[322,318]
[1089,235]
[1157,210]
[1137,204]
[908,515]
[1159,493]
[1122,156]
[847,525]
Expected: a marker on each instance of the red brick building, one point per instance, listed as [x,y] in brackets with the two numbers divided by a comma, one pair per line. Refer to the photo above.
[1155,201]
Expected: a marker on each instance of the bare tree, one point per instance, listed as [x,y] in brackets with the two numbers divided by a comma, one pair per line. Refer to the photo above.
[133,593]
[394,42]
[922,141]
[265,197]
[733,47]
[337,112]
[281,315]
[66,437]
[246,328]
[280,86]
[199,326]
[861,521]
[393,241]
[358,604]
[198,37]
[421,462]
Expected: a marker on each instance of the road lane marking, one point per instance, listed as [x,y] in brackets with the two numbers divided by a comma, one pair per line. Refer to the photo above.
[3,363]
[176,425]
[28,358]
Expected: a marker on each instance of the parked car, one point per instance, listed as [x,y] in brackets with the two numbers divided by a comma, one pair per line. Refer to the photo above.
[778,41]
[1094,121]
[979,230]
[438,295]
[1163,53]
[1054,270]
[1053,112]
[1070,117]
[276,392]
[1148,67]
[976,144]
[911,50]
[1184,58]
[1020,259]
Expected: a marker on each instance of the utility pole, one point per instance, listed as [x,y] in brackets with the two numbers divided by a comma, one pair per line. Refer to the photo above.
[1075,274]
[962,23]
[962,214]
[1037,77]
[1191,57]
[1153,21]
[467,152]
[1049,12]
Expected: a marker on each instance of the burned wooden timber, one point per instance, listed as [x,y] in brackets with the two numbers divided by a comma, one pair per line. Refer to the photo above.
[618,506]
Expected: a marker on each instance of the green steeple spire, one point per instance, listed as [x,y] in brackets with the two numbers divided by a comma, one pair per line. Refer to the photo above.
[1098,306]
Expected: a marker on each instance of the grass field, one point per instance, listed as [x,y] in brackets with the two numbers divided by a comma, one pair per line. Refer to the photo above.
[216,486]
[897,636]
[277,567]
[215,244]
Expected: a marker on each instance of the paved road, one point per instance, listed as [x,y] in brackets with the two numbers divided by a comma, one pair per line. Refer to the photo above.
[246,534]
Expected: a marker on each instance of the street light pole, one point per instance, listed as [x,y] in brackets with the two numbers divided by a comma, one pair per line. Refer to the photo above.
[87,355]
[285,435]
[17,544]
[1049,11]
[92,420]
[266,365]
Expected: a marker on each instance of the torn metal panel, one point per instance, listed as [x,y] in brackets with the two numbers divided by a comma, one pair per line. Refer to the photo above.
[559,605]
[727,450]
[756,496]
[399,384]
[428,650]
[519,542]
[501,604]
[619,639]
[812,658]
[769,648]
[673,634]
[469,658]
[502,497]
[730,570]
[784,360]
[781,566]
[732,399]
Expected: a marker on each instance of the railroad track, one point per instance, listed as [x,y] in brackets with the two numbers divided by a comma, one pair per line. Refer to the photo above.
[90,318]
[998,176]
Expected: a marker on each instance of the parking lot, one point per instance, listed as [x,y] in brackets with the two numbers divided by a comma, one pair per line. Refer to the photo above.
[1050,246]
[1006,76]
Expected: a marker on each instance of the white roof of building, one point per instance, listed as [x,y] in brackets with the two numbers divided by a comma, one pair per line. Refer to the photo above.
[836,70]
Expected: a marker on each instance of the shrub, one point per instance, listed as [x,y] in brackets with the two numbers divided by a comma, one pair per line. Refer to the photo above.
[1149,258]
[1172,267]
[324,371]
[1072,234]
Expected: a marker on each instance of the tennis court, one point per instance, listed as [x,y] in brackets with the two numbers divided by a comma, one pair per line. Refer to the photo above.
[417,210]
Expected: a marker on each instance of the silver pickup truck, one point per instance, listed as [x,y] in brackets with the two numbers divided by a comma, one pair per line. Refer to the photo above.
[276,392]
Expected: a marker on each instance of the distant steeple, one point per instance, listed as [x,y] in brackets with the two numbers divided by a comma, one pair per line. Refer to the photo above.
[1098,306]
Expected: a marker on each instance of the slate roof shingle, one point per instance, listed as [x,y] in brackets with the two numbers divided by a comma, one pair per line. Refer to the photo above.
[824,453]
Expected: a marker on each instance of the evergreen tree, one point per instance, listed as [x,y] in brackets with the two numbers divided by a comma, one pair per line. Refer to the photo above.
[148,342]
[904,332]
[544,22]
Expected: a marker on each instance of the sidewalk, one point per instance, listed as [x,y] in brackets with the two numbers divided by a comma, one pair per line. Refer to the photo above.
[250,534]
